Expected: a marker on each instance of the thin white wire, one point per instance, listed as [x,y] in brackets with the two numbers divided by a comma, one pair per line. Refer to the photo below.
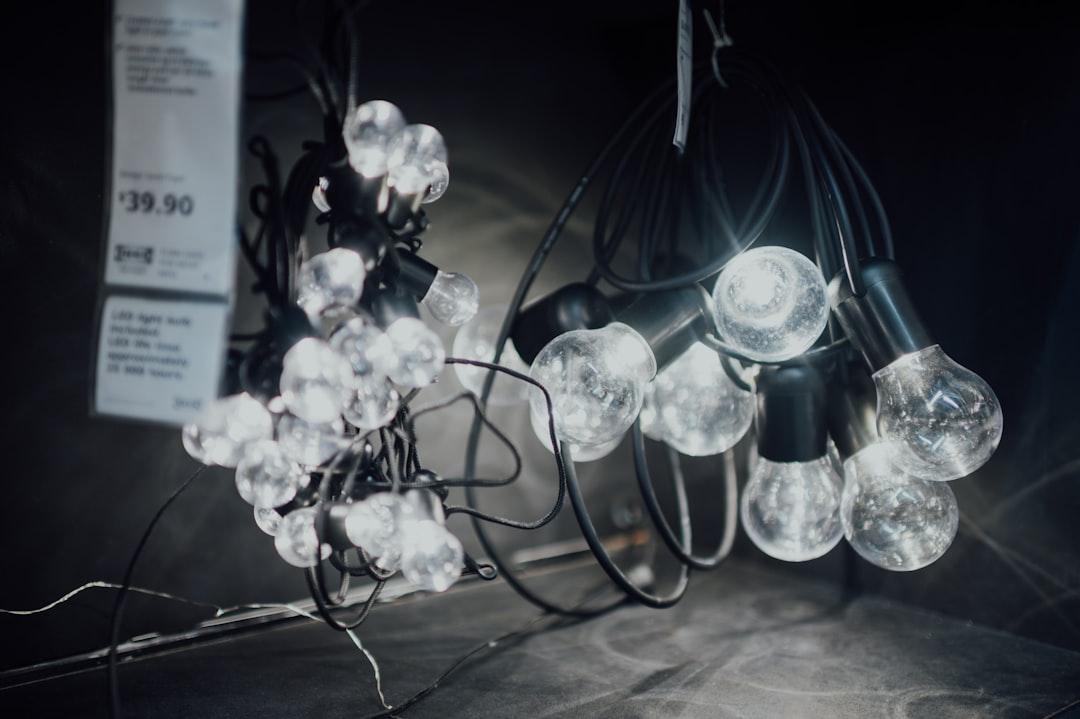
[105,585]
[218,612]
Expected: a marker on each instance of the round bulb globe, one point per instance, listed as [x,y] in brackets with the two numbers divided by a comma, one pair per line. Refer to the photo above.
[770,303]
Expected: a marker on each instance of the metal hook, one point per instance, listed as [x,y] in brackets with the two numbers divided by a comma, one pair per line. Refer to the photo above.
[720,40]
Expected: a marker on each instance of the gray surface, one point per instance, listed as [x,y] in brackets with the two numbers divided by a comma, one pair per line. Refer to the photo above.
[744,643]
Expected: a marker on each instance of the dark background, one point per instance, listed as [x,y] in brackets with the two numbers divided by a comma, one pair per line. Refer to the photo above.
[964,115]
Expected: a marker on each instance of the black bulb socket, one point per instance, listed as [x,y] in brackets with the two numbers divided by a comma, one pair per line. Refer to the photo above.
[669,321]
[333,525]
[288,325]
[350,193]
[882,323]
[852,409]
[791,414]
[365,236]
[415,274]
[401,207]
[388,307]
[577,306]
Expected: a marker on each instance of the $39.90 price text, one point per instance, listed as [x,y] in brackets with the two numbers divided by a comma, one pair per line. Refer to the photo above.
[149,203]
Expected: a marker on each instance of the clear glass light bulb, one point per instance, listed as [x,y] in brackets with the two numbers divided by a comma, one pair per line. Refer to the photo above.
[368,131]
[310,443]
[770,303]
[296,540]
[476,340]
[374,526]
[431,557]
[416,163]
[318,195]
[265,477]
[894,520]
[373,404]
[694,407]
[579,452]
[225,428]
[791,510]
[944,418]
[365,346]
[267,519]
[596,379]
[315,380]
[332,279]
[453,298]
[418,353]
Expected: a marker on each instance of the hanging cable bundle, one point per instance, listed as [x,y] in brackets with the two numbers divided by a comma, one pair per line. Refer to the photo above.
[713,329]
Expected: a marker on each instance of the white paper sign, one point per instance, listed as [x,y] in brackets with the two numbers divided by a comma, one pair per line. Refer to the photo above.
[176,90]
[159,360]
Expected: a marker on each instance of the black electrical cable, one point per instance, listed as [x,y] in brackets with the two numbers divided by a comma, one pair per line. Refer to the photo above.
[756,222]
[329,81]
[311,81]
[603,557]
[125,586]
[472,399]
[326,611]
[652,504]
[477,516]
[352,82]
[885,229]
[532,270]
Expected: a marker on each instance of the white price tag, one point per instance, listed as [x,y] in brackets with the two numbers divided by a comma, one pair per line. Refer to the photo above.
[159,360]
[176,91]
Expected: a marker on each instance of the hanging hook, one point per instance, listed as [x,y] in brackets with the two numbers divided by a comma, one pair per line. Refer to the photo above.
[720,40]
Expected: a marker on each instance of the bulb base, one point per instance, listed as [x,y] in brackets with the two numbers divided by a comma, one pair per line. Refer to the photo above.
[791,414]
[852,409]
[882,324]
[670,321]
[577,306]
[415,274]
[388,307]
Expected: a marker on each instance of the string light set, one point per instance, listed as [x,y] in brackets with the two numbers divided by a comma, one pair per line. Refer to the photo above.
[700,327]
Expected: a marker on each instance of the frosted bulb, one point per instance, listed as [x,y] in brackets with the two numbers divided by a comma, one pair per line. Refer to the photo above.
[267,519]
[476,341]
[318,195]
[265,477]
[579,453]
[596,379]
[374,402]
[296,540]
[791,510]
[367,132]
[332,279]
[416,163]
[945,418]
[431,557]
[770,303]
[365,346]
[694,407]
[315,380]
[894,520]
[227,426]
[310,443]
[418,353]
[453,298]
[374,526]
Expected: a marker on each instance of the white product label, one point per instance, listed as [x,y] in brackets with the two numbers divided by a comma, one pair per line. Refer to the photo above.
[176,89]
[159,360]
